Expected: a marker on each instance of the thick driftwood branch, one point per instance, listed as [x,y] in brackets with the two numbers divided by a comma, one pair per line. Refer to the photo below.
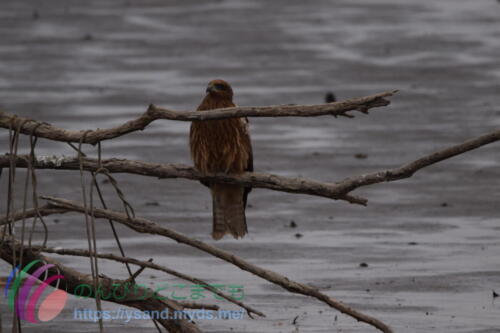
[72,279]
[45,130]
[262,180]
[142,225]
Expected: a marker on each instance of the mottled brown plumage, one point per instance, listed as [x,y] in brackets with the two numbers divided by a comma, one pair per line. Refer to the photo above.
[223,146]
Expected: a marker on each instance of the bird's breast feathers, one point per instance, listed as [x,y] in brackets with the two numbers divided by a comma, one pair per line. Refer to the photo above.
[220,145]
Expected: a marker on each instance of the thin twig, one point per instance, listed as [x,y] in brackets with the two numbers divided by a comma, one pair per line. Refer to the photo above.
[195,305]
[44,210]
[90,228]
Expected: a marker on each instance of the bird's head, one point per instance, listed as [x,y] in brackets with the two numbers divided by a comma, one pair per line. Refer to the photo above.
[219,88]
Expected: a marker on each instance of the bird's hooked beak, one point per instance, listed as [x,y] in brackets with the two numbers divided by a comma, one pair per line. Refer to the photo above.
[210,88]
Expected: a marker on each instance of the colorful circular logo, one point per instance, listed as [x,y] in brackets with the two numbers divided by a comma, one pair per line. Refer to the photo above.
[24,297]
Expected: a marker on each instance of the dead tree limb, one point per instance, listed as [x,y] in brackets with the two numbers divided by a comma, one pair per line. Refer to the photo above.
[409,169]
[45,130]
[19,215]
[73,279]
[196,305]
[262,180]
[142,225]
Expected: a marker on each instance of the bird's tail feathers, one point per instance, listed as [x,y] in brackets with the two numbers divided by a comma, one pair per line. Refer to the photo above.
[228,211]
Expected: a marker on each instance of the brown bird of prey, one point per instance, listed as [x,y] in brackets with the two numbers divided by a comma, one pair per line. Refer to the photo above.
[223,145]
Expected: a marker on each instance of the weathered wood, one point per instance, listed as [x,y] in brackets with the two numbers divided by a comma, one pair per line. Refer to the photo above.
[48,131]
[409,169]
[159,170]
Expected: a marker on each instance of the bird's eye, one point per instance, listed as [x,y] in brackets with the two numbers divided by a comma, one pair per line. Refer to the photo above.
[220,86]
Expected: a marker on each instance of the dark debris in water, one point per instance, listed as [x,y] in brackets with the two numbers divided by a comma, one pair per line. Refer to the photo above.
[361,156]
[88,37]
[330,97]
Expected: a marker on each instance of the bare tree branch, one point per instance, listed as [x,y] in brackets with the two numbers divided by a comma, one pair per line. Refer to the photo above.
[43,210]
[45,130]
[195,305]
[262,180]
[407,170]
[142,225]
[73,279]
